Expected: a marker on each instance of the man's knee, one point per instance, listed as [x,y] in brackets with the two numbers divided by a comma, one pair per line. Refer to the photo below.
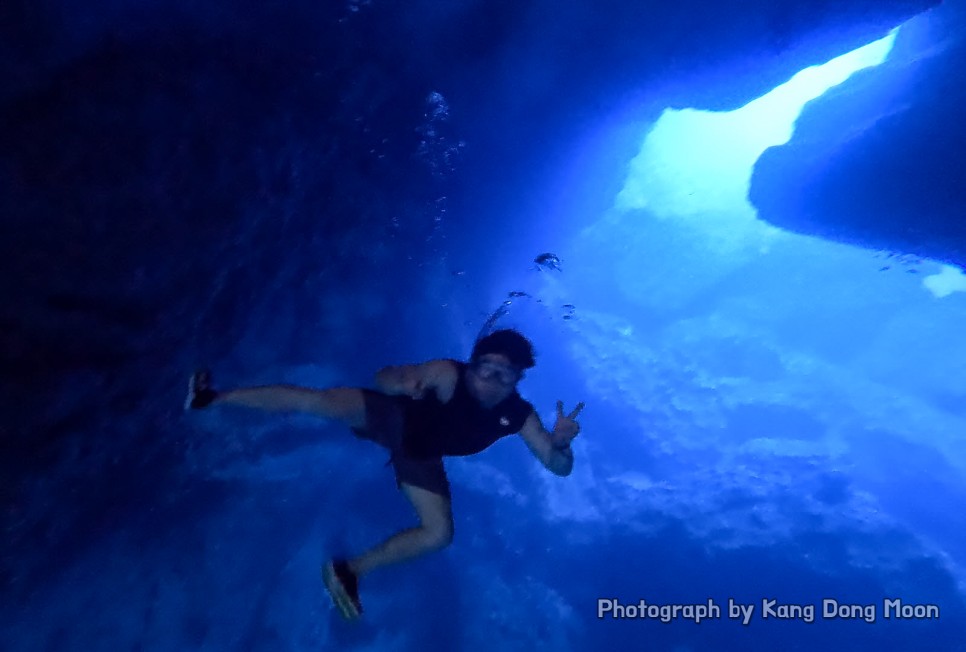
[438,536]
[435,515]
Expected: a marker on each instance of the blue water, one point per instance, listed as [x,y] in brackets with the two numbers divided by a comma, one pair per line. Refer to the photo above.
[774,426]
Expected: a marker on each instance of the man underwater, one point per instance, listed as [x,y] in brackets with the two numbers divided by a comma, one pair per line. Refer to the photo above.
[420,413]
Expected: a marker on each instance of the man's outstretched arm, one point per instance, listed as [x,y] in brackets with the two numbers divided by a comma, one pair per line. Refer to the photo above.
[553,448]
[415,380]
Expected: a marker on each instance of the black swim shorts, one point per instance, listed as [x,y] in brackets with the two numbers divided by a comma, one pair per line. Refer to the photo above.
[385,425]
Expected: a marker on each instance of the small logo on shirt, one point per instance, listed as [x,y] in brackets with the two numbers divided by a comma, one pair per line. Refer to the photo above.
[504,422]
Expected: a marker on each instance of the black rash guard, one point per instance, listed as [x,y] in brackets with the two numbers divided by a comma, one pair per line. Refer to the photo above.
[461,426]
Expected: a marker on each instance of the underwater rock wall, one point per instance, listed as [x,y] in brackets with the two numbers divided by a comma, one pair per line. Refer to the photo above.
[173,200]
[881,165]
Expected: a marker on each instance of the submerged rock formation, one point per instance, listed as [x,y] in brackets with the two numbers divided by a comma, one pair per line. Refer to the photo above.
[880,162]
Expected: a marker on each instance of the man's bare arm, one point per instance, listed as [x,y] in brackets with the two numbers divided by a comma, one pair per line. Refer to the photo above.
[416,380]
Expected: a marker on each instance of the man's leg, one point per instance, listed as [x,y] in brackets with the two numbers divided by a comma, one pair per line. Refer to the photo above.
[435,531]
[345,404]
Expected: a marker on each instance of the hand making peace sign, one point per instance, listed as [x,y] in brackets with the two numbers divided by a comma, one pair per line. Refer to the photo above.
[566,427]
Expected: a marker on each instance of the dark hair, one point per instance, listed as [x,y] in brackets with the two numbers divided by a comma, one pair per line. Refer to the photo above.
[507,342]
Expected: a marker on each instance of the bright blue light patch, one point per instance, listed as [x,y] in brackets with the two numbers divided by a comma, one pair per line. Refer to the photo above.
[700,162]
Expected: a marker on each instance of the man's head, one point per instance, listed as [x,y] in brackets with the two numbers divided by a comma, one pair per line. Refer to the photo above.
[497,365]
[509,343]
